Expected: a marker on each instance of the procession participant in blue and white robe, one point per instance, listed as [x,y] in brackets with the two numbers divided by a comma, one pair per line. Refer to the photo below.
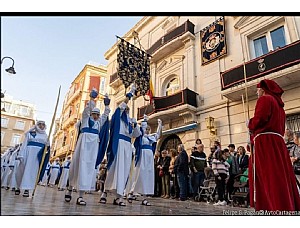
[44,181]
[55,170]
[3,164]
[9,163]
[6,169]
[119,151]
[65,174]
[86,151]
[30,156]
[93,186]
[145,146]
[13,165]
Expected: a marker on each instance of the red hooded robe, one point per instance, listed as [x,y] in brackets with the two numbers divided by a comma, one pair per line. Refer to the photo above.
[275,181]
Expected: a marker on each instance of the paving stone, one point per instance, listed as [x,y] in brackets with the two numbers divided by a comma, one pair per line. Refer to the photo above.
[49,201]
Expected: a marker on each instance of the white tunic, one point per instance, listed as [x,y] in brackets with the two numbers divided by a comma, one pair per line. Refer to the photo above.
[54,173]
[65,174]
[3,163]
[93,186]
[5,178]
[46,176]
[14,164]
[119,171]
[29,164]
[144,171]
[83,163]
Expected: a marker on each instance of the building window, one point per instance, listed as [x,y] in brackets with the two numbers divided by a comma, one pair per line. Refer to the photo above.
[15,139]
[4,122]
[2,136]
[293,122]
[5,107]
[24,111]
[102,85]
[278,37]
[20,125]
[172,86]
[269,41]
[260,46]
[77,108]
[64,140]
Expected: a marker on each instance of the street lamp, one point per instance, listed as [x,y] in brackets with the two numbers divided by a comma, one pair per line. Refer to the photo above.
[10,70]
[210,124]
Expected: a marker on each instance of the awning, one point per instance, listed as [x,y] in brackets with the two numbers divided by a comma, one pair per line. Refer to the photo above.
[180,129]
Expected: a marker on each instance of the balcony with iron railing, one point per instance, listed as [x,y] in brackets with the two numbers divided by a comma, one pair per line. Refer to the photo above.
[173,40]
[71,98]
[114,80]
[170,106]
[281,65]
[70,121]
[165,45]
[62,150]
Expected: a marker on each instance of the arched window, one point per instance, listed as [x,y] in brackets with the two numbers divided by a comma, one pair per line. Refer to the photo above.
[172,86]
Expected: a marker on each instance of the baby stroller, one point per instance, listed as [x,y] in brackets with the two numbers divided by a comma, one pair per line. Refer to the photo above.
[207,192]
[240,194]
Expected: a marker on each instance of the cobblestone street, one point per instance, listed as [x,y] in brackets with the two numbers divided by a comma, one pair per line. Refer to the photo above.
[49,201]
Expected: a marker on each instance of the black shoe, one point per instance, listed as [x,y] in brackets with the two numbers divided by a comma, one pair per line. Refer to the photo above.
[117,202]
[26,193]
[80,201]
[17,192]
[68,196]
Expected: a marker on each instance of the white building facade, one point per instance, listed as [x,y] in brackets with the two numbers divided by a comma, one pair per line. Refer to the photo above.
[198,66]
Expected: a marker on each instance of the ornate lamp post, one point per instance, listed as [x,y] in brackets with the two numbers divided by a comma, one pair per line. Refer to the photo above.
[10,70]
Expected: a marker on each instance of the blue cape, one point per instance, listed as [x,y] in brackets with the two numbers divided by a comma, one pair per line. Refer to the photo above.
[138,147]
[46,160]
[104,136]
[113,144]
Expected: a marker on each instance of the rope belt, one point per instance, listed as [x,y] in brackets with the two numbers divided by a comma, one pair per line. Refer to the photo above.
[55,167]
[66,167]
[268,133]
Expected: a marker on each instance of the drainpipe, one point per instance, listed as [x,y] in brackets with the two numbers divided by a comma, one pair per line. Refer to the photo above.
[228,120]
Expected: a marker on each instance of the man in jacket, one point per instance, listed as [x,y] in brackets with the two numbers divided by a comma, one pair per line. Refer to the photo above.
[198,164]
[181,168]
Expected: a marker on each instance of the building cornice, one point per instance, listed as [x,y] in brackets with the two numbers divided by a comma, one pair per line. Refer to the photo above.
[101,69]
[138,27]
[14,115]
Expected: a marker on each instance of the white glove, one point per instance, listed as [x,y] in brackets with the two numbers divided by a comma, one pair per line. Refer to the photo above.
[248,139]
[247,123]
[133,120]
[159,121]
[146,118]
[132,89]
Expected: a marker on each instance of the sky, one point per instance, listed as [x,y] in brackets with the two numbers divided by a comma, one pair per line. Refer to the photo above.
[51,51]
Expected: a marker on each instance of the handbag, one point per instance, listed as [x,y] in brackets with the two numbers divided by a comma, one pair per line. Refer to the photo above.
[297,168]
[161,173]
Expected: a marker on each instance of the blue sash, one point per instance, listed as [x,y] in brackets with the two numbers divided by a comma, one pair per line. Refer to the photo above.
[89,130]
[124,137]
[147,147]
[32,143]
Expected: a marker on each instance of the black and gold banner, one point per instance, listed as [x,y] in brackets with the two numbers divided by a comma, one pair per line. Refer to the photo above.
[213,41]
[133,66]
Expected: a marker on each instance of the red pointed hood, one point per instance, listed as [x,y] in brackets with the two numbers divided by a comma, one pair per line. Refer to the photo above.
[272,88]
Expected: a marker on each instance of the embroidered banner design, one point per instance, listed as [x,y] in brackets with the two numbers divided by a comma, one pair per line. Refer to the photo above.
[213,41]
[133,66]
